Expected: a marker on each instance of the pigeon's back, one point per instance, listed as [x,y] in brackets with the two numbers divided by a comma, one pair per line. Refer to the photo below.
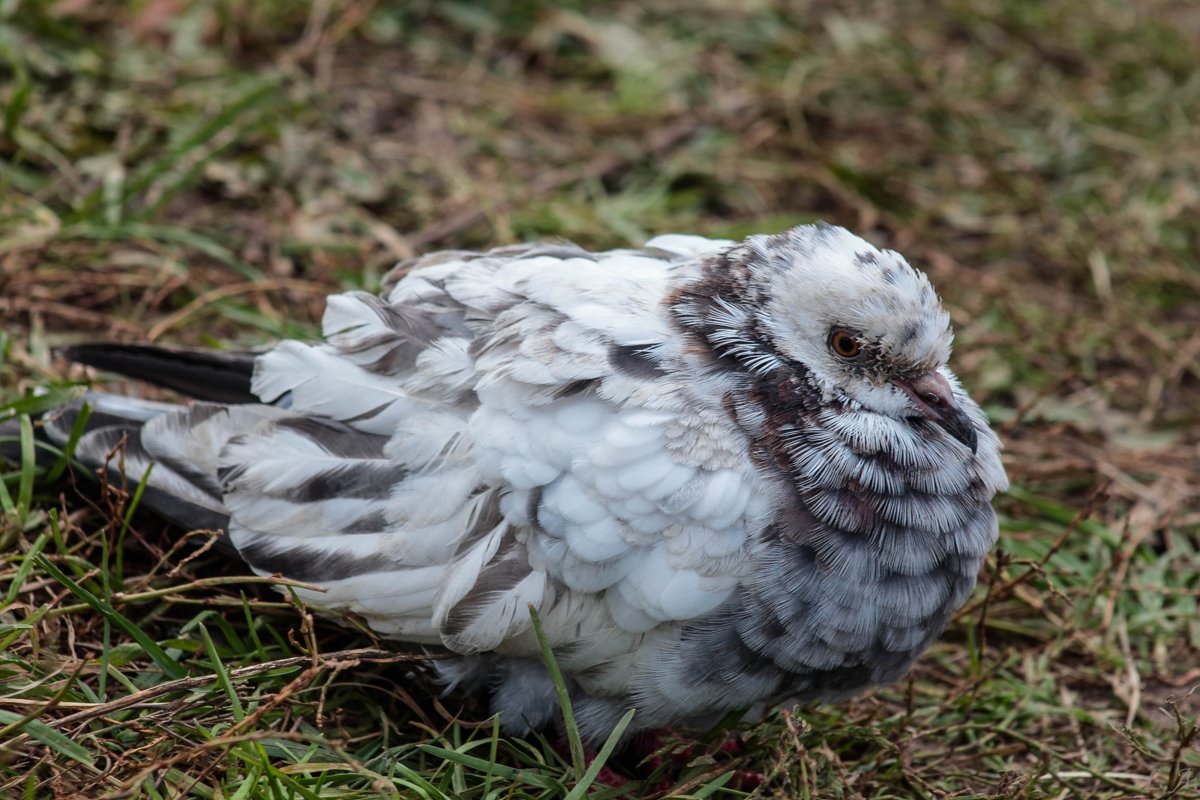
[540,426]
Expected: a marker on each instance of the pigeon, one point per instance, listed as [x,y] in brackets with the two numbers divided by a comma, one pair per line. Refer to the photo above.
[724,474]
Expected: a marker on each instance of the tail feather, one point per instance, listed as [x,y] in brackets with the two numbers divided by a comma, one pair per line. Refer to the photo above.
[217,376]
[112,439]
[168,494]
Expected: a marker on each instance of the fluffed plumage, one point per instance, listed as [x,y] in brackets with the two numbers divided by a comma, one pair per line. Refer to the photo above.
[723,473]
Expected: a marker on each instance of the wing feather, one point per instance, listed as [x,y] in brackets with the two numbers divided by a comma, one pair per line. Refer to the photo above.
[497,430]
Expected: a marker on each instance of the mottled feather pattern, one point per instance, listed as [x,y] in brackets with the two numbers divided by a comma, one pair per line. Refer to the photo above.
[657,449]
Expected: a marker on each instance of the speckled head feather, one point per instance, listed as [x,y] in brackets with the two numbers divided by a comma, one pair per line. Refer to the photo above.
[781,296]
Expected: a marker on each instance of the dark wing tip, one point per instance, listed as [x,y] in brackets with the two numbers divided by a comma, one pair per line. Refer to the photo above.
[217,376]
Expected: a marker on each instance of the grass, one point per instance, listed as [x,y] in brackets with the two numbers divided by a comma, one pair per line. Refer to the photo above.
[205,172]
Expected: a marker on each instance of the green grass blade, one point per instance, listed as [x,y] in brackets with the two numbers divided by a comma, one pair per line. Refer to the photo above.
[129,511]
[223,680]
[28,468]
[166,234]
[18,100]
[578,761]
[709,789]
[249,784]
[610,744]
[165,662]
[27,566]
[68,449]
[7,504]
[40,731]
[499,770]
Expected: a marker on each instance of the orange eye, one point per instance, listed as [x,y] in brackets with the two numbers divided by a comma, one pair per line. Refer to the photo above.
[845,344]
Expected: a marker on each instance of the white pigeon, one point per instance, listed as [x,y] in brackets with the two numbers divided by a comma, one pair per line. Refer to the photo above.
[722,473]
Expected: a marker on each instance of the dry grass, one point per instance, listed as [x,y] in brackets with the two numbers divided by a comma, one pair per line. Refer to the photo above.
[205,172]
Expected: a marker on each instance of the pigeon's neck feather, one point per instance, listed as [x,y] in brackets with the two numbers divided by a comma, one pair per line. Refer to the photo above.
[881,522]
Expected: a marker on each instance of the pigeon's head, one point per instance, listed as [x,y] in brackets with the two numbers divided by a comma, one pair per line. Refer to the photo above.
[860,323]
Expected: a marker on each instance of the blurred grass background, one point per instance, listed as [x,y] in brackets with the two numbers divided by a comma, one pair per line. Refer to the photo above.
[205,172]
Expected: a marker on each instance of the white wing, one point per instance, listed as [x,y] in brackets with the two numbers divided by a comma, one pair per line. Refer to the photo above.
[499,431]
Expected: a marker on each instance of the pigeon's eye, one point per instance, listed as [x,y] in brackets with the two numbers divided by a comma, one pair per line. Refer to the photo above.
[845,344]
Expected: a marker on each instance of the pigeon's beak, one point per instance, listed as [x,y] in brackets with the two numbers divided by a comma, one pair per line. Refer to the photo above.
[933,397]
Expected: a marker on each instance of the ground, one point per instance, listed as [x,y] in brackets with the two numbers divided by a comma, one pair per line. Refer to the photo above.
[205,172]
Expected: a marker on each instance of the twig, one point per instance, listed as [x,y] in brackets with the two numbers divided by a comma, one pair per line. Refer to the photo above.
[184,684]
[230,290]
